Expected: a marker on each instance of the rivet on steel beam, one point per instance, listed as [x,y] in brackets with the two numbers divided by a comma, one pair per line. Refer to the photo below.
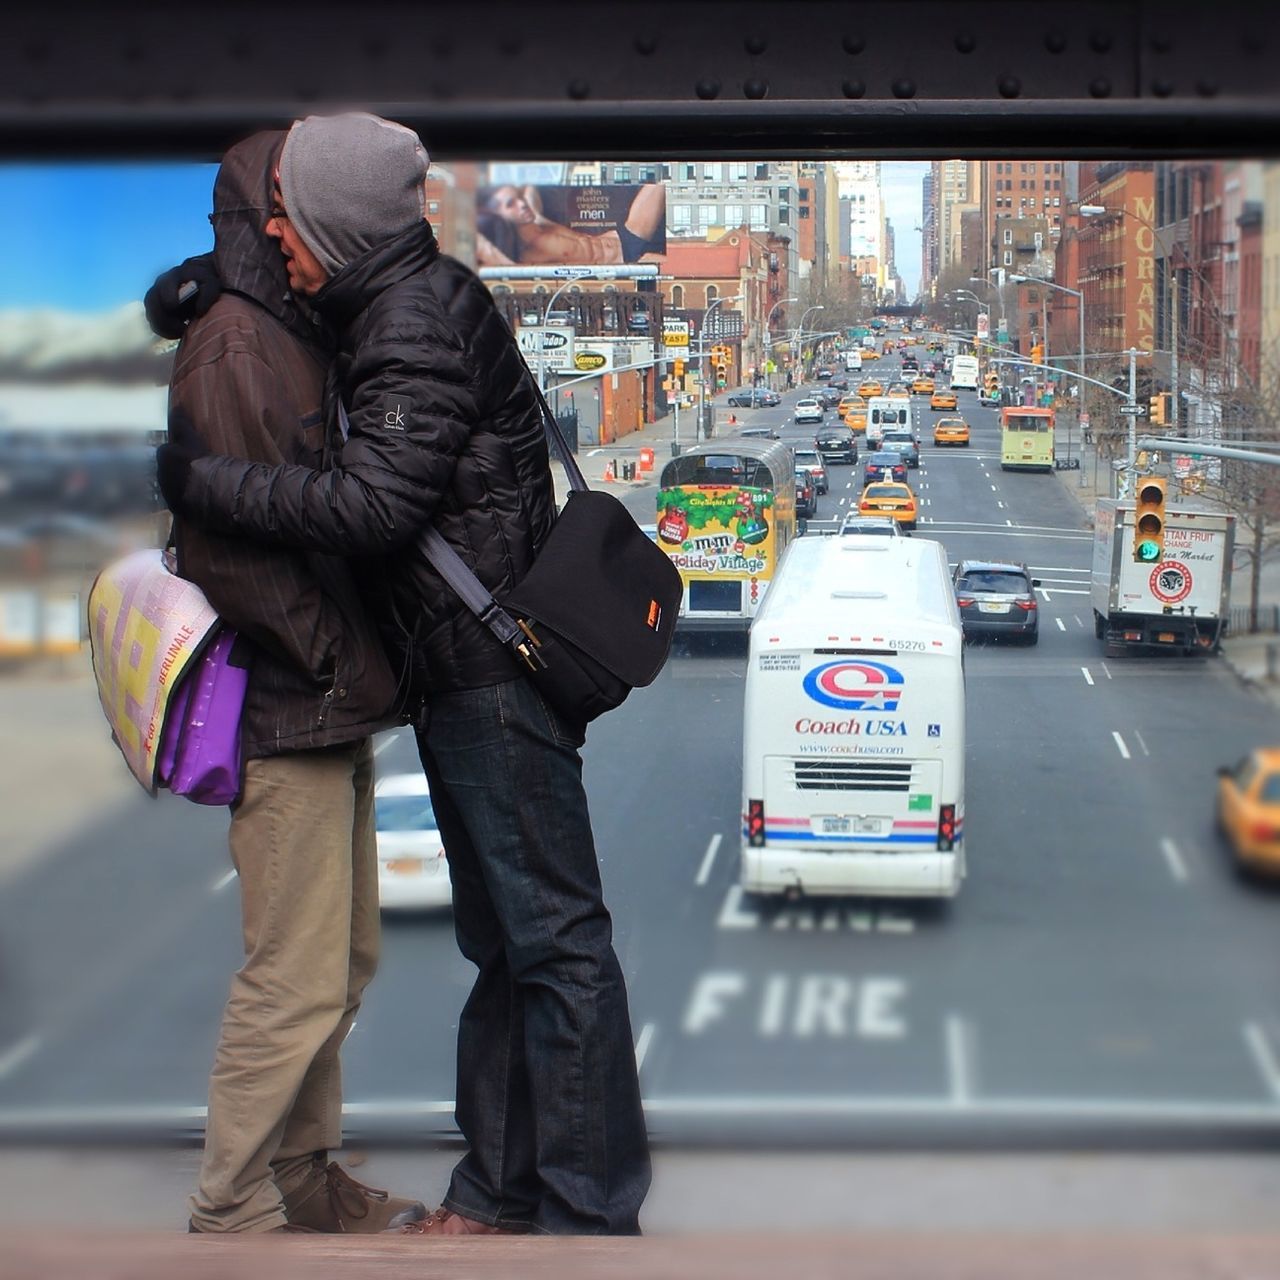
[1162,88]
[756,88]
[755,45]
[646,45]
[904,88]
[1100,87]
[966,42]
[578,89]
[707,89]
[1100,41]
[1055,42]
[853,88]
[1009,86]
[854,43]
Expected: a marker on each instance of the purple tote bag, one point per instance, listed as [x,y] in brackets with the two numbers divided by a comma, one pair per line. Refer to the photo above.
[200,746]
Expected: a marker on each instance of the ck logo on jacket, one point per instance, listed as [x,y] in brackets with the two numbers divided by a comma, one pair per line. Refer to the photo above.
[393,413]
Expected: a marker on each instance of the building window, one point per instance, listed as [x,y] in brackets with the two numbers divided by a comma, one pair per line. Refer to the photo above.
[712,294]
[804,193]
[1008,257]
[711,172]
[1008,235]
[691,173]
[706,217]
[677,296]
[582,180]
[735,215]
[681,217]
[666,173]
[622,173]
[433,206]
[804,212]
[1031,168]
[741,171]
[762,171]
[759,217]
[784,216]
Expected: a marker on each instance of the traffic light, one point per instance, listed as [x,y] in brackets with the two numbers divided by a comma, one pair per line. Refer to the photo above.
[1037,353]
[677,368]
[1160,409]
[1148,520]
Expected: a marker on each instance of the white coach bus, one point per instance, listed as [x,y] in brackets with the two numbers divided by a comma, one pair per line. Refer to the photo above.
[854,734]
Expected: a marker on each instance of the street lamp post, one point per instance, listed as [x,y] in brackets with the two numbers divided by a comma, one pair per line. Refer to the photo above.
[701,432]
[769,318]
[800,339]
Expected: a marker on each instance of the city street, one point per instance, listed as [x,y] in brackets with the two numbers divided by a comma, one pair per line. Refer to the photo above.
[1102,971]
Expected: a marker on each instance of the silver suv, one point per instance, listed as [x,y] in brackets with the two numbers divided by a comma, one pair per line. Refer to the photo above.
[809,410]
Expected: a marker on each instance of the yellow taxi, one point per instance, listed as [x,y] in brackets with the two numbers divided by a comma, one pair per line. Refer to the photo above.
[922,387]
[870,355]
[942,400]
[951,431]
[849,402]
[887,498]
[856,418]
[898,392]
[871,387]
[1249,809]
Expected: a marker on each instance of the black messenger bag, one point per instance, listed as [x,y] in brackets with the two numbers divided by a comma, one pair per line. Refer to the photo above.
[595,615]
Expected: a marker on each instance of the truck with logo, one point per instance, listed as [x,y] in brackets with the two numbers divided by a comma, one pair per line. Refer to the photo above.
[854,724]
[1179,602]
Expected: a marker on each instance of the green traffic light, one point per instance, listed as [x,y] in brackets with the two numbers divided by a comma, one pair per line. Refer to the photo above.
[1148,550]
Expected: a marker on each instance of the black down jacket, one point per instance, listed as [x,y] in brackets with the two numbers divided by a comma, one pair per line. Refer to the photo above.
[444,428]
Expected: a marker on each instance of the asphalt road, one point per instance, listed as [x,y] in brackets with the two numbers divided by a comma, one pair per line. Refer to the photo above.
[1101,971]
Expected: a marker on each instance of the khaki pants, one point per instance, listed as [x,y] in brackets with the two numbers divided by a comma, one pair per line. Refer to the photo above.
[303,841]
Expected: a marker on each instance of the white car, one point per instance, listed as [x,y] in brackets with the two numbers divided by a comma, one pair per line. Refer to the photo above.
[809,410]
[871,526]
[412,871]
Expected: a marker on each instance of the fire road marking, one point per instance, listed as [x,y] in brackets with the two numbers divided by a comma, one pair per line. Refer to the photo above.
[708,858]
[1124,751]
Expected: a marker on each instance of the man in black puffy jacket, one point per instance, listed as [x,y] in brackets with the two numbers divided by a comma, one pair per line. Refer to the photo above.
[442,428]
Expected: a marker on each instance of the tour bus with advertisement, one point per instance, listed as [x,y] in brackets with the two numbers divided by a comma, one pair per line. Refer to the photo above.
[854,724]
[1026,438]
[726,513]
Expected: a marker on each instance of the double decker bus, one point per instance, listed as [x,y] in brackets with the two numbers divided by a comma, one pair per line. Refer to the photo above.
[1026,439]
[726,513]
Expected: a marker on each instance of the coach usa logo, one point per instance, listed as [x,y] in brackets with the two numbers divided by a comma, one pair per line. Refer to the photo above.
[855,686]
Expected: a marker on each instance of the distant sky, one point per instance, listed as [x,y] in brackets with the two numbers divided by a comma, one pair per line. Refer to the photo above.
[90,237]
[901,188]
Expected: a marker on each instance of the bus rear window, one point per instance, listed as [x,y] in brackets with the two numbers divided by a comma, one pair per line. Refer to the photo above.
[716,468]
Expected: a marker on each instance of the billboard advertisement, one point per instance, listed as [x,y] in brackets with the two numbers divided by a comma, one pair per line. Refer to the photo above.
[585,226]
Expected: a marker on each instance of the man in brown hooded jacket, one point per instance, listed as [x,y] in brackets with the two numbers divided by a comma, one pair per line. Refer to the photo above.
[249,376]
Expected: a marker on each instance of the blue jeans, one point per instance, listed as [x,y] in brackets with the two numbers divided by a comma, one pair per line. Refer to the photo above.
[547,1098]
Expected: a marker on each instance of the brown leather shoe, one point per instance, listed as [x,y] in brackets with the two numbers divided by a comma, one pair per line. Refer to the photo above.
[444,1222]
[331,1201]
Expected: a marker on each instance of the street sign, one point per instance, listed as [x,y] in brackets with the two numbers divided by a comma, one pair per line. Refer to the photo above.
[1133,410]
[984,325]
[675,338]
[553,347]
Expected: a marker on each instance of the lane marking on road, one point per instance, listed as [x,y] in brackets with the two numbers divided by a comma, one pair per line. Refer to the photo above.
[1088,679]
[1000,505]
[993,488]
[1142,745]
[1107,669]
[1263,1056]
[959,1066]
[1009,523]
[13,1058]
[385,743]
[1079,623]
[643,1043]
[1062,626]
[708,858]
[222,881]
[1124,751]
[1177,868]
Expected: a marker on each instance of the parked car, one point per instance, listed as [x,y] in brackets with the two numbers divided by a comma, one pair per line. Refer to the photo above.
[806,495]
[809,409]
[753,398]
[837,444]
[412,871]
[884,466]
[811,460]
[997,598]
[823,374]
[761,433]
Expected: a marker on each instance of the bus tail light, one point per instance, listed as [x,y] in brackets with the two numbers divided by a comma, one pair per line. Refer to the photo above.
[946,827]
[755,823]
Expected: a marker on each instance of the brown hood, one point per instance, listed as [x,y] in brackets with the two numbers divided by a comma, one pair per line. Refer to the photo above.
[247,260]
